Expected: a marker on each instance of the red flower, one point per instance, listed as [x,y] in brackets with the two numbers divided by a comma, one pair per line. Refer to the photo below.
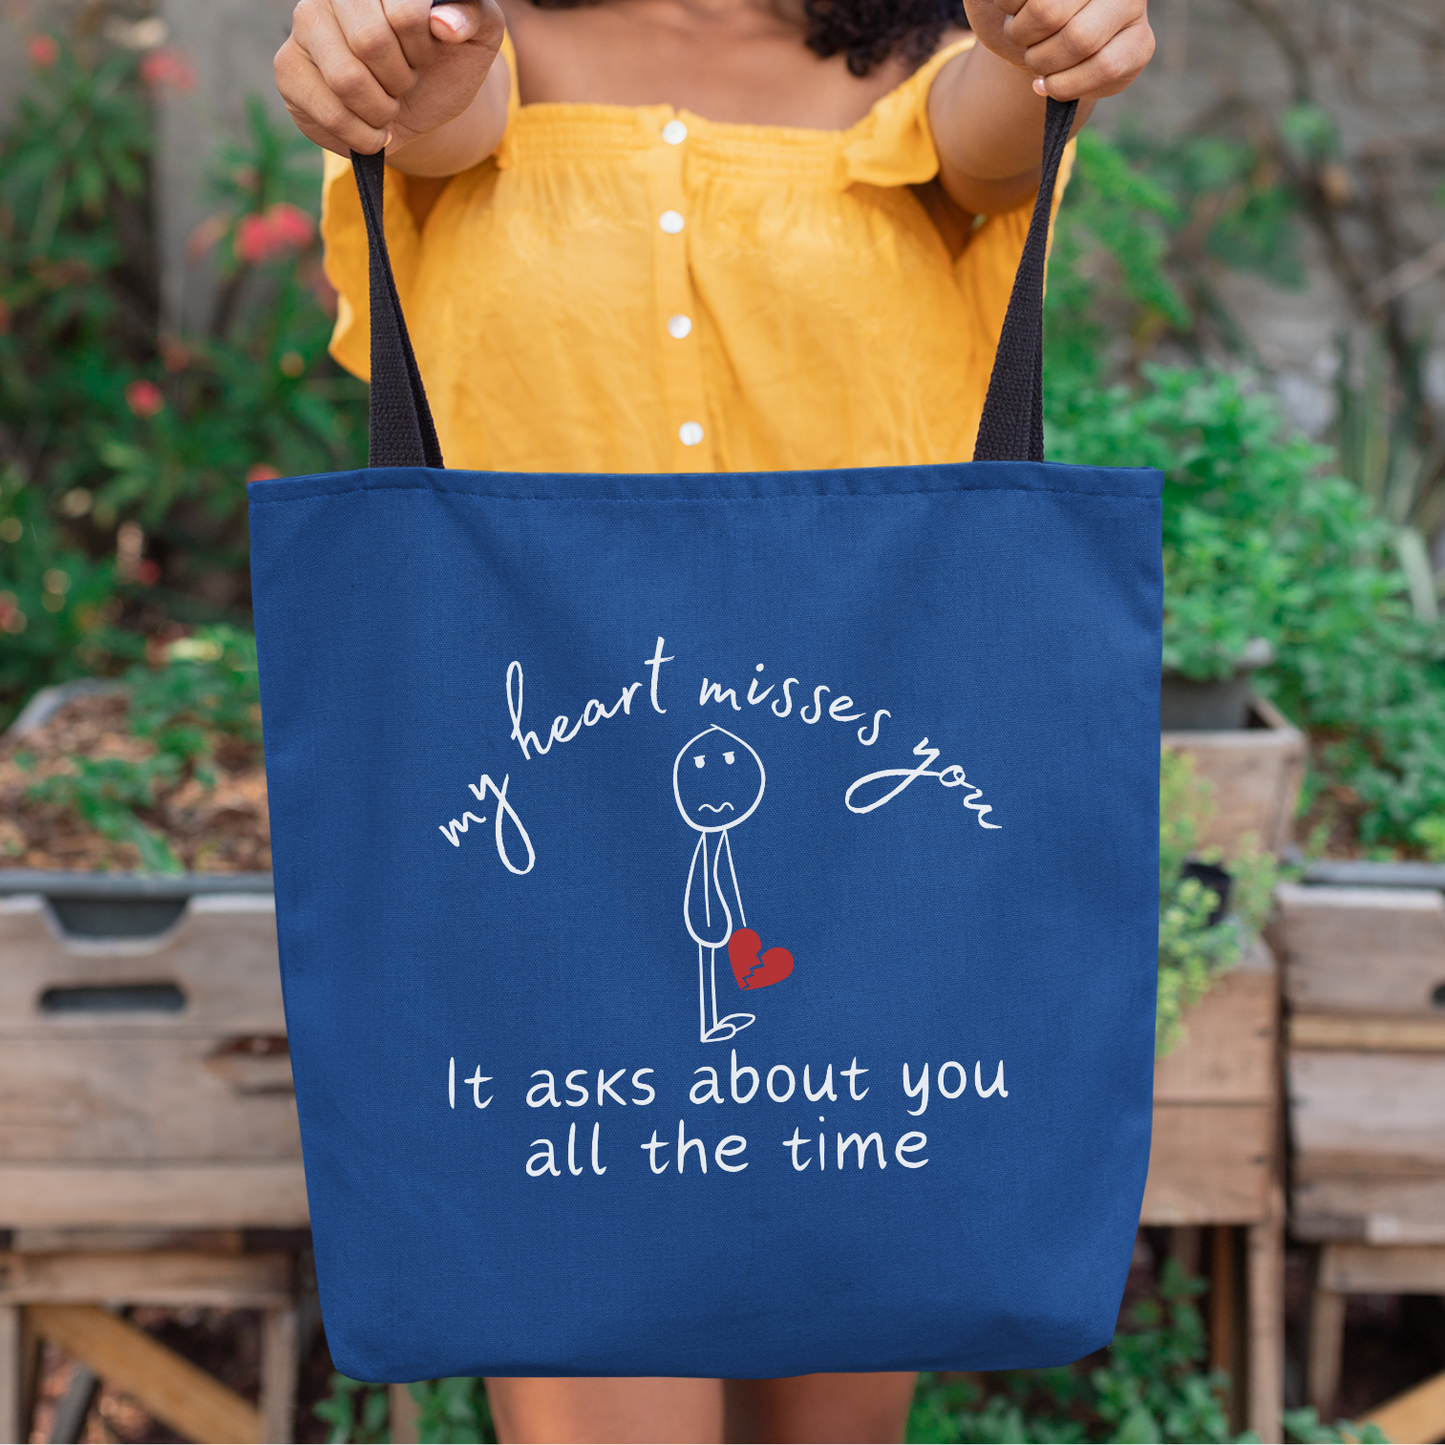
[290,225]
[262,472]
[276,231]
[144,398]
[43,51]
[167,69]
[148,572]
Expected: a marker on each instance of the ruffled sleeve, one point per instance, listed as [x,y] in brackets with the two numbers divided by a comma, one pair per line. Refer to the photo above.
[343,233]
[893,144]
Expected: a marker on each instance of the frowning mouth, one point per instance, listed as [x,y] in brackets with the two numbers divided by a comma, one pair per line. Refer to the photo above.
[708,807]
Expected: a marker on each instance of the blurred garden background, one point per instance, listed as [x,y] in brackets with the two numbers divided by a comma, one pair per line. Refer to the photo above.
[1246,292]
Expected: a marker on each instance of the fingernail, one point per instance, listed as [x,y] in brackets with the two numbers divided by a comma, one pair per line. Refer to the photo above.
[387,142]
[1041,87]
[449,18]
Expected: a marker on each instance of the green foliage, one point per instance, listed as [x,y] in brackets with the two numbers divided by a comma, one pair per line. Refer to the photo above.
[453,1410]
[1192,952]
[1144,224]
[1235,487]
[1111,213]
[58,605]
[1260,540]
[207,690]
[450,1410]
[1429,833]
[1151,1387]
[107,421]
[105,793]
[1305,1426]
[357,1412]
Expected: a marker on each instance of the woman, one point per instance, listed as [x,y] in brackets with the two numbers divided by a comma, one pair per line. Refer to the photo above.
[696,235]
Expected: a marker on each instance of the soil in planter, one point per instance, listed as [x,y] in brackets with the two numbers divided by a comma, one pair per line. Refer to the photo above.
[220,829]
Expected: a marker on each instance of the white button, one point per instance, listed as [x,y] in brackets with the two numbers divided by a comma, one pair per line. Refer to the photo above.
[690,433]
[674,132]
[671,222]
[679,326]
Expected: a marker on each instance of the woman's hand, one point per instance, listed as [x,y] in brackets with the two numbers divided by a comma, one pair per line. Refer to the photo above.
[1074,49]
[366,74]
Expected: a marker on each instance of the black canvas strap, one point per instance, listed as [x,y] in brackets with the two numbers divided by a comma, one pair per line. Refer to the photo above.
[1012,428]
[402,433]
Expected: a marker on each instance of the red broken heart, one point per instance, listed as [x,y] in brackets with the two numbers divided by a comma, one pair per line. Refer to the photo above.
[750,970]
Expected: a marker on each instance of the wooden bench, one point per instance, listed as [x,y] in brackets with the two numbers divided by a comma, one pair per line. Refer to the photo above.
[145,1087]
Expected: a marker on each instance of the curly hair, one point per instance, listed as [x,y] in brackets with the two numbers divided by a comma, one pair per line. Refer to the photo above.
[868,32]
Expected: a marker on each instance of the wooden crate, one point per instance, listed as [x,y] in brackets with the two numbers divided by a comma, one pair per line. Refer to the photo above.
[1362,952]
[1256,773]
[1365,1062]
[1216,1105]
[115,1116]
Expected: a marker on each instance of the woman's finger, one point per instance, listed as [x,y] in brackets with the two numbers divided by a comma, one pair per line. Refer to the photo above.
[456,23]
[1039,19]
[348,75]
[410,23]
[1085,35]
[371,39]
[1107,71]
[319,113]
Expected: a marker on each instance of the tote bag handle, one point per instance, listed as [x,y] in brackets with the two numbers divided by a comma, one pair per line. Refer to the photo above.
[1012,428]
[402,431]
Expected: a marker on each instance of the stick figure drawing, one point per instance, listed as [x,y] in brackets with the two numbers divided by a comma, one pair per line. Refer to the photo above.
[718,781]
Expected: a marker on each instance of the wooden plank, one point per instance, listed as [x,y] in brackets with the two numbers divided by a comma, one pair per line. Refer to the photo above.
[1361,1034]
[1326,1347]
[1265,1271]
[1418,1414]
[1256,774]
[279,1371]
[161,1277]
[136,1099]
[14,1416]
[1371,951]
[1383,1268]
[69,1241]
[200,1196]
[1209,1164]
[190,1401]
[222,956]
[1229,1052]
[1375,1210]
[1367,1114]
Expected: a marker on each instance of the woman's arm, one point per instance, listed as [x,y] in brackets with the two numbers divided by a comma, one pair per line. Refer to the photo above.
[363,74]
[986,107]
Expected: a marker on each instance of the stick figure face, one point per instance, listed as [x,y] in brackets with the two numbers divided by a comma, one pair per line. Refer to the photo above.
[717,780]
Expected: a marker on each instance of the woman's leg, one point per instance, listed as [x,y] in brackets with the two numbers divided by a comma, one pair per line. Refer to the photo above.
[597,1411]
[819,1408]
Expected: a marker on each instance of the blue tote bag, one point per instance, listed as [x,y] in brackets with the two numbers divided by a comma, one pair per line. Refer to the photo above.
[717,913]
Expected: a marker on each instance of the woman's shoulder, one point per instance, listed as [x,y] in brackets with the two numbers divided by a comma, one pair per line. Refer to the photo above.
[893,143]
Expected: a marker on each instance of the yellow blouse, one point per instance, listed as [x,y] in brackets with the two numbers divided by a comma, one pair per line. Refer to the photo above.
[638,289]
